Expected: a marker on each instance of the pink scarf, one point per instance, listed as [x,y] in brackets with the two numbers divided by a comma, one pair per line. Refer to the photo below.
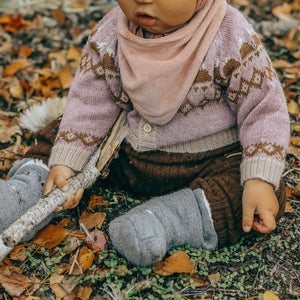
[158,73]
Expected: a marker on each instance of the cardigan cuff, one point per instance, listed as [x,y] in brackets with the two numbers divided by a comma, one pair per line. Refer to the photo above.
[268,170]
[72,157]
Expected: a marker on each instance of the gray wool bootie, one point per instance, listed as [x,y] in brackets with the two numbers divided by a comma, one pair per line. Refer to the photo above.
[148,231]
[24,187]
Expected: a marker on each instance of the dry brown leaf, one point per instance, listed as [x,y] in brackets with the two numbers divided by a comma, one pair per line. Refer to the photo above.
[293,108]
[18,253]
[66,78]
[83,293]
[288,208]
[25,51]
[85,260]
[122,270]
[13,281]
[294,151]
[295,141]
[92,220]
[59,16]
[6,133]
[73,53]
[55,286]
[50,236]
[13,68]
[268,295]
[282,10]
[95,201]
[178,262]
[16,91]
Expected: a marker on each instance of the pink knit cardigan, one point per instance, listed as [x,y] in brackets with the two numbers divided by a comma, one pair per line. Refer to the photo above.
[236,96]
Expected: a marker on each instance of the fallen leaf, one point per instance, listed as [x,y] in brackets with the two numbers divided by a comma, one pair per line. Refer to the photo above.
[268,295]
[83,293]
[18,253]
[178,262]
[65,77]
[91,220]
[13,281]
[55,286]
[95,201]
[16,66]
[98,240]
[59,16]
[25,51]
[288,208]
[50,236]
[282,10]
[85,260]
[293,108]
[122,270]
[6,133]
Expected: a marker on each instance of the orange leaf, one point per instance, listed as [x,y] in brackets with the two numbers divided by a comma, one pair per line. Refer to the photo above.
[73,53]
[92,220]
[25,51]
[122,270]
[51,236]
[66,78]
[85,260]
[83,293]
[284,9]
[59,16]
[5,19]
[16,66]
[288,208]
[95,201]
[268,295]
[19,253]
[178,262]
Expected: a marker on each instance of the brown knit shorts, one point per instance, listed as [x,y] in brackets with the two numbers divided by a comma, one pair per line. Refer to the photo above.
[156,173]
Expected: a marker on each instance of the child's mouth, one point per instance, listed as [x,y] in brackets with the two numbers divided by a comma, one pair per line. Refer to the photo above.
[146,20]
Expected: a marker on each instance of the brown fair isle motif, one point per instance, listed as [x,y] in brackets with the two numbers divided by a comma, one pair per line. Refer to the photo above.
[245,86]
[86,65]
[69,137]
[269,149]
[187,105]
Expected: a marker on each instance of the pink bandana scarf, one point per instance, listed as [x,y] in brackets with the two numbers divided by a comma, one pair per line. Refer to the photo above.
[158,73]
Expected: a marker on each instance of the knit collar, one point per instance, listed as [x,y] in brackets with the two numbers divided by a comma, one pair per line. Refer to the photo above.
[158,73]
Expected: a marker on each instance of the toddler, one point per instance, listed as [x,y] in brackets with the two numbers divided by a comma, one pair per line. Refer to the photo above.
[208,125]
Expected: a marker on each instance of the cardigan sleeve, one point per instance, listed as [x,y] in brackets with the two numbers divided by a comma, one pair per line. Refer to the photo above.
[89,114]
[255,95]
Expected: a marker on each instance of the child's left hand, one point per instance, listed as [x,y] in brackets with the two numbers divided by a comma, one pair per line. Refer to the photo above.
[260,206]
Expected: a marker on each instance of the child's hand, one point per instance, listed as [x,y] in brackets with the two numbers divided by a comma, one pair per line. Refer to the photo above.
[58,176]
[260,206]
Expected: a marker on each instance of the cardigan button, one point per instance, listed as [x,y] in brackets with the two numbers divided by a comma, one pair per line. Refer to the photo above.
[147,128]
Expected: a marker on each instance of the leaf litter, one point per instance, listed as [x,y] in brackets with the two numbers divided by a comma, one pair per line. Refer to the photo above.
[40,49]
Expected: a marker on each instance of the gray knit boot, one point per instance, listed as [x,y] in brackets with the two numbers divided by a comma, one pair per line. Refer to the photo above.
[148,231]
[21,191]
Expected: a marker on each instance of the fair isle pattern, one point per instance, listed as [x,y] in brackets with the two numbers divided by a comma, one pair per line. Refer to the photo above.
[204,81]
[69,137]
[187,105]
[267,148]
[105,69]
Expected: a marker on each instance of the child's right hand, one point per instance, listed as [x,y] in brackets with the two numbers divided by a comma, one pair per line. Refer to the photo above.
[58,176]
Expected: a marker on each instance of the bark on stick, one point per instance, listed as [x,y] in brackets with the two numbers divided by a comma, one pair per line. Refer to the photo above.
[48,204]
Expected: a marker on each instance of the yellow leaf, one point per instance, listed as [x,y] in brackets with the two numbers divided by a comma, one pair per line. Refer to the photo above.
[268,295]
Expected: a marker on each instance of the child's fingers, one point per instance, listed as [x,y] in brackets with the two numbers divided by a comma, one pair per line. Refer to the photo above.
[248,215]
[72,201]
[265,224]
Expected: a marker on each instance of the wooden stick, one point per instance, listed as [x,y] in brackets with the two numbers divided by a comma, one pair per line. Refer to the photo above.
[85,179]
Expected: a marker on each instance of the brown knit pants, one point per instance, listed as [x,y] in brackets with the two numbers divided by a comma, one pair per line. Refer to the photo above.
[156,173]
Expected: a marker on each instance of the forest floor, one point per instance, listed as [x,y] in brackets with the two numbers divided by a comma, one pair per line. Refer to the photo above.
[40,49]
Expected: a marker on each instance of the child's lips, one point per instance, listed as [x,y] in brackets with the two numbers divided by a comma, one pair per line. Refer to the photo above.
[146,20]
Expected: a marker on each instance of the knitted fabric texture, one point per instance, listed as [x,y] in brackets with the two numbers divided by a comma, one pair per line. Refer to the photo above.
[217,172]
[236,96]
